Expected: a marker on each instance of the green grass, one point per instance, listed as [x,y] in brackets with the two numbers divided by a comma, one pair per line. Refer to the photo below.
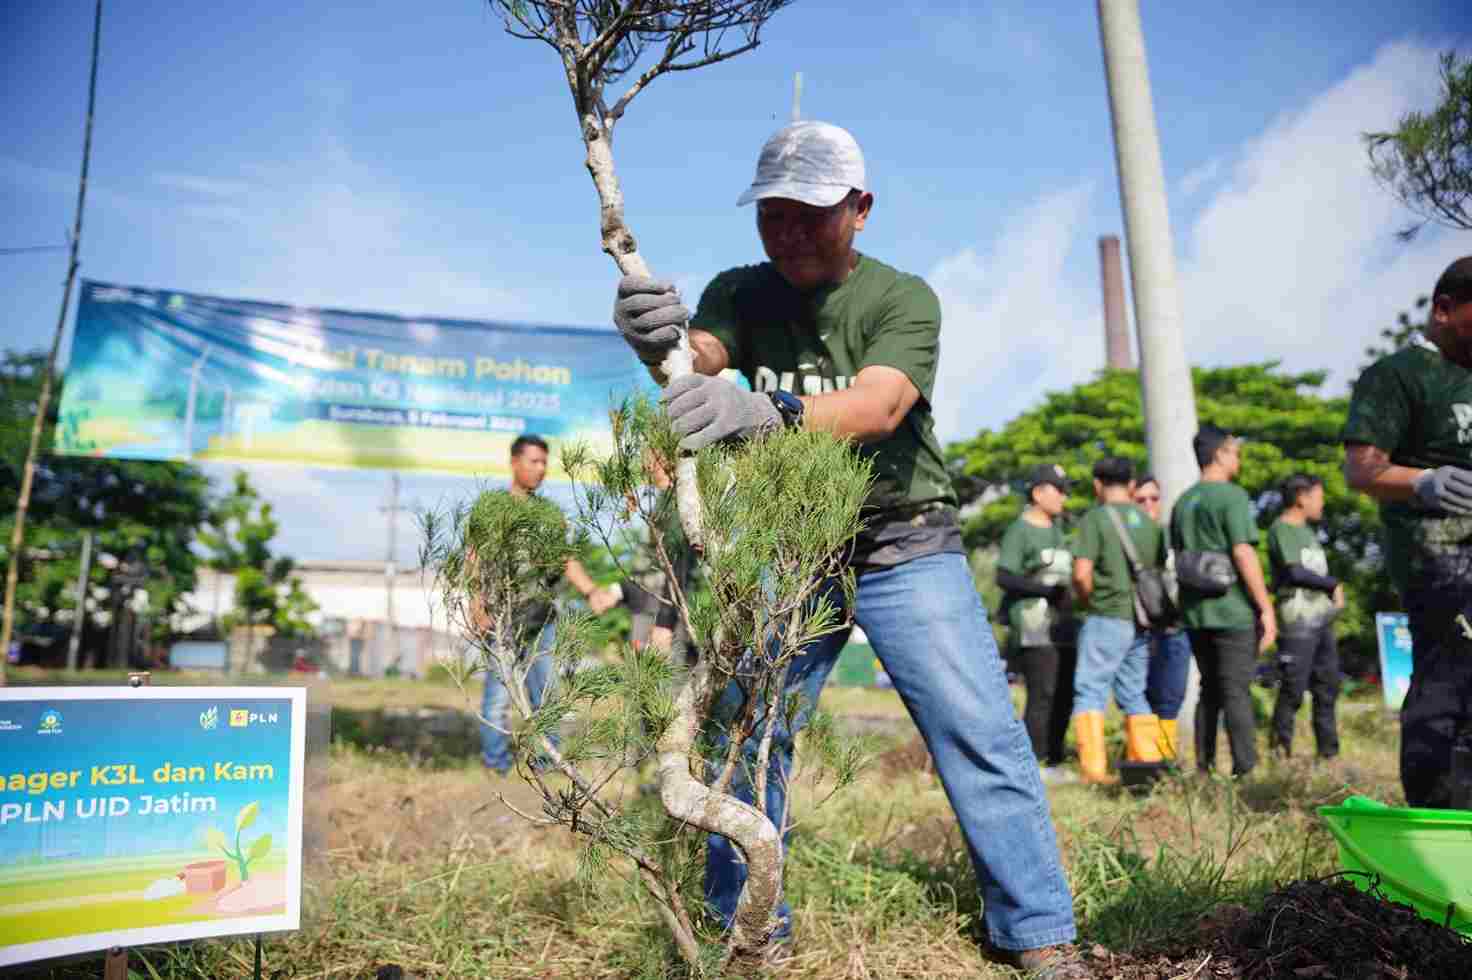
[423,868]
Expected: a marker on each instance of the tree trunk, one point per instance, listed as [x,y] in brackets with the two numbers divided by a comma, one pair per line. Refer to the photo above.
[619,243]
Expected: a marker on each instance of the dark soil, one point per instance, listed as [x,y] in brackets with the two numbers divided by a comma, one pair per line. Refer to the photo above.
[1325,929]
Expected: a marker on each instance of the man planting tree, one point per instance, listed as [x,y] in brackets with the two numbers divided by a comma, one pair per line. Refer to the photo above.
[833,340]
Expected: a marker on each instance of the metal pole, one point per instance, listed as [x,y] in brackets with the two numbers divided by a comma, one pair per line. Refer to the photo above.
[796,96]
[389,569]
[75,646]
[43,402]
[1165,375]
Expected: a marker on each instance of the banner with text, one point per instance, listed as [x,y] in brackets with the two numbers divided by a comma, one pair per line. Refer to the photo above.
[156,374]
[133,816]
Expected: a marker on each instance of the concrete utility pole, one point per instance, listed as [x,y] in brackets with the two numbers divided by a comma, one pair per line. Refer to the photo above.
[1165,375]
[390,565]
[1117,355]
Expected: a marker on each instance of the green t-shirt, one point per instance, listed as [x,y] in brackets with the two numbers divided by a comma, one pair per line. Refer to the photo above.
[811,343]
[1417,406]
[1114,589]
[1300,610]
[1041,554]
[1214,516]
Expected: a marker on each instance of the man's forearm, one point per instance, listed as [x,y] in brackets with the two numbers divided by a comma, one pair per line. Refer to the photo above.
[1083,579]
[1244,556]
[869,410]
[1369,470]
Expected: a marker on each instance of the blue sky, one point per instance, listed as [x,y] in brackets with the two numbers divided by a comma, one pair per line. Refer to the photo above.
[415,159]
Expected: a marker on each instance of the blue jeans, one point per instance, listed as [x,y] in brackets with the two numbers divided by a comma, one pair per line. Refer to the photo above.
[1112,654]
[495,704]
[930,631]
[1170,669]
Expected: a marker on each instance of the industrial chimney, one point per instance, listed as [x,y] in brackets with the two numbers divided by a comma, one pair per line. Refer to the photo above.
[1116,329]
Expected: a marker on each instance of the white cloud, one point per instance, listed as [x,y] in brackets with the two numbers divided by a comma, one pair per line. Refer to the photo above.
[1198,178]
[1012,326]
[1291,256]
[206,186]
[1294,257]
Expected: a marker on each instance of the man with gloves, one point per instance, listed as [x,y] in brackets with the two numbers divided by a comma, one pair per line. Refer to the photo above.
[831,339]
[1408,444]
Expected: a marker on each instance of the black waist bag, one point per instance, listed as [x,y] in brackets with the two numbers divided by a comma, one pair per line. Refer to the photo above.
[1210,573]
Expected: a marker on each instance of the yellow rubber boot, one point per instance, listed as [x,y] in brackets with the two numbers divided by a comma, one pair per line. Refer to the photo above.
[1142,738]
[1093,761]
[1167,740]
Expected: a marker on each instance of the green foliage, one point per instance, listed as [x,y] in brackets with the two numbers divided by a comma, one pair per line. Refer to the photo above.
[137,510]
[238,534]
[778,513]
[1426,161]
[1289,425]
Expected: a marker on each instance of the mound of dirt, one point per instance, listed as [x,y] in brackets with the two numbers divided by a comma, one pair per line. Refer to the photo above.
[1326,929]
[1332,929]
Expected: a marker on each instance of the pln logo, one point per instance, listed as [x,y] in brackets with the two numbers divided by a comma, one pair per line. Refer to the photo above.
[50,723]
[241,718]
[209,719]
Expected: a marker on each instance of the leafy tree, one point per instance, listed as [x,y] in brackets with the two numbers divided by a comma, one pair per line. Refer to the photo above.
[1407,326]
[1426,161]
[238,535]
[149,510]
[777,513]
[1289,424]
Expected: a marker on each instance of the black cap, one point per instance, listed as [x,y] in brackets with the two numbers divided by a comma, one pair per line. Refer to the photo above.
[1050,473]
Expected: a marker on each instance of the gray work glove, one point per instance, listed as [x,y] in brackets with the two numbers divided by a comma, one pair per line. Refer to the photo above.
[1446,488]
[704,410]
[648,312]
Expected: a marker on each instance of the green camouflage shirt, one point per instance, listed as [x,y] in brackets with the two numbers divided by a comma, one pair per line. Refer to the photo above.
[1214,516]
[1039,553]
[1417,406]
[1300,610]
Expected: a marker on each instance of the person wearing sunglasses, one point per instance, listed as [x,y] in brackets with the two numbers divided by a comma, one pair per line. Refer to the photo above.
[1170,647]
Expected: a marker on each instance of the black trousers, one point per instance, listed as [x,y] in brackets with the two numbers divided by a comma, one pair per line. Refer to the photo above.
[1227,660]
[1308,661]
[1048,673]
[1437,707]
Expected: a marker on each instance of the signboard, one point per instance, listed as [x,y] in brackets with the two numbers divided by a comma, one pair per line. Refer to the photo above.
[1394,635]
[157,374]
[133,816]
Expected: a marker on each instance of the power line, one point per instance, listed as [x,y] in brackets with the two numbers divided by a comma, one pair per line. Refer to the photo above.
[33,248]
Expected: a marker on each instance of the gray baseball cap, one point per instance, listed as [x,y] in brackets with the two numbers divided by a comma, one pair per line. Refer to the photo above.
[813,162]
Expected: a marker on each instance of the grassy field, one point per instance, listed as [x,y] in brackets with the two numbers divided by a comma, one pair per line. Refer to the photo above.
[423,868]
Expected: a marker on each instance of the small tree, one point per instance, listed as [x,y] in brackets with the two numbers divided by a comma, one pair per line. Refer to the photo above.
[778,514]
[238,535]
[600,42]
[1426,161]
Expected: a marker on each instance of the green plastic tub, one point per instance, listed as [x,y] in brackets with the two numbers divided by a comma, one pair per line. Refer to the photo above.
[1422,857]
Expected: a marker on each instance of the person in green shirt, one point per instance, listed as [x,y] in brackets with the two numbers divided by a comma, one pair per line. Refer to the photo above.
[1170,647]
[1113,650]
[1309,598]
[1033,572]
[1408,444]
[1228,629]
[834,340]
